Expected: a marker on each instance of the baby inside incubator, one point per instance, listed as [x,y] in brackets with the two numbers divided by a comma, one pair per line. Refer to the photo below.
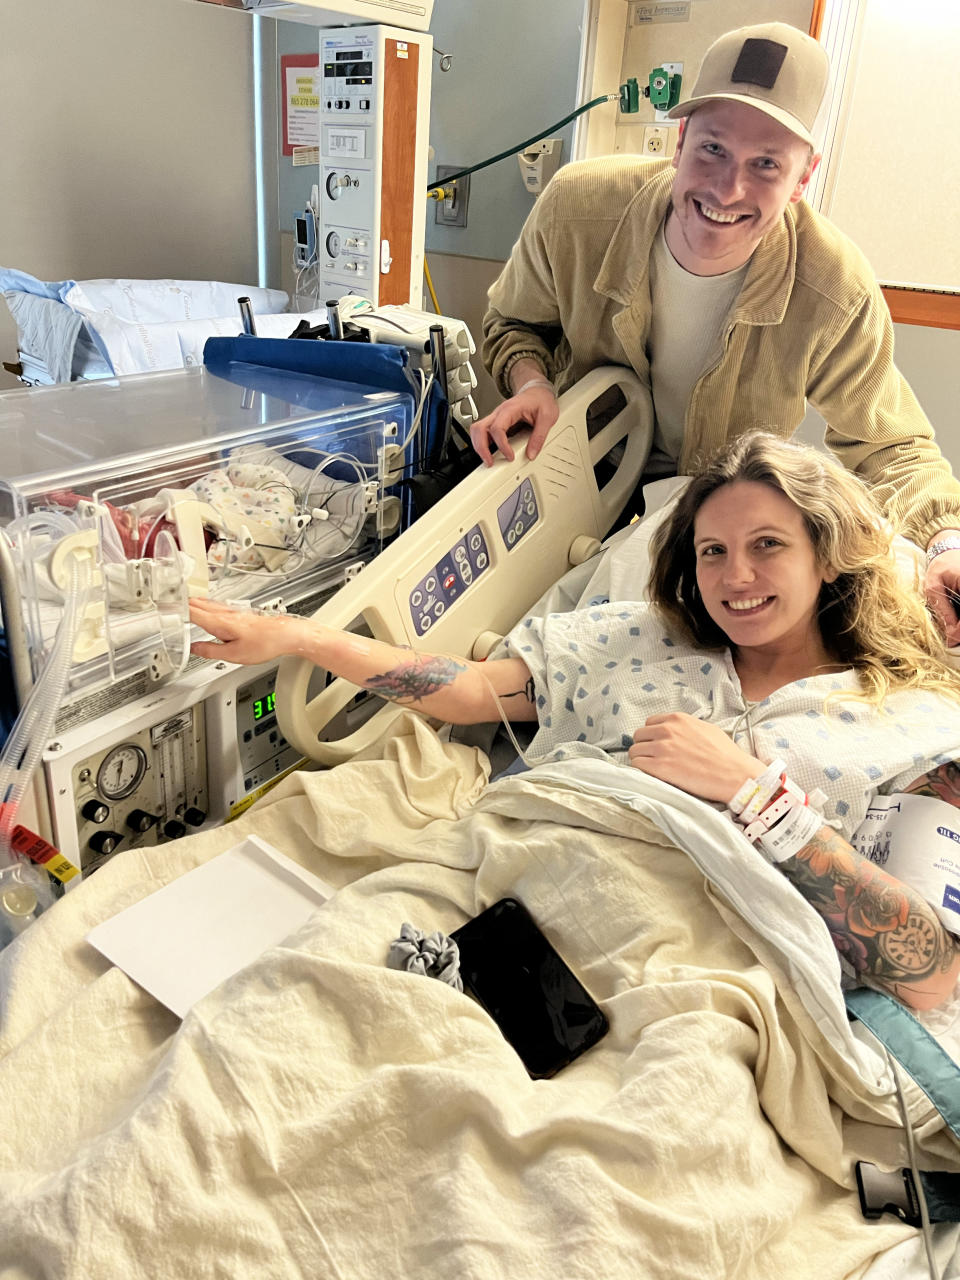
[233,531]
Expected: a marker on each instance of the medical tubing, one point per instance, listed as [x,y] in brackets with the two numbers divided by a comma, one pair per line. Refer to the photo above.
[512,151]
[912,1156]
[24,747]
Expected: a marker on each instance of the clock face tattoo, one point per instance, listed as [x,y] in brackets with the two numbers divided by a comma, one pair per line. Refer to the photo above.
[913,947]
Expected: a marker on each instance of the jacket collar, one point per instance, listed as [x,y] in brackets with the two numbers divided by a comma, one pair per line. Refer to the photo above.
[626,263]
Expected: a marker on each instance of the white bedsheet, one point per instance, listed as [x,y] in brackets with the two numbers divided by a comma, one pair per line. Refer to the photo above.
[322,1115]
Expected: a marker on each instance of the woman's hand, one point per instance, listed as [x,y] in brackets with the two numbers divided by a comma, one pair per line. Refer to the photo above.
[245,636]
[690,754]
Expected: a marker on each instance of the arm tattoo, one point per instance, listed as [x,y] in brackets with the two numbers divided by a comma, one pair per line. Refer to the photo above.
[416,679]
[943,783]
[880,925]
[527,692]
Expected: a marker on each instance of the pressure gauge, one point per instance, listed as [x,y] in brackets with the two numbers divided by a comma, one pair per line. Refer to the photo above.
[121,771]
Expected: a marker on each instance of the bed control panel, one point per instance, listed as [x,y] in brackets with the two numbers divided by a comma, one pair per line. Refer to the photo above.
[518,514]
[450,577]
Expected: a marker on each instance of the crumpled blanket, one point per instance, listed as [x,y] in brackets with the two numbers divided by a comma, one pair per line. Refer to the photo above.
[324,1115]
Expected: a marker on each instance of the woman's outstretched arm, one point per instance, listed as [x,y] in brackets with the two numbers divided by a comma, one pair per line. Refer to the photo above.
[452,689]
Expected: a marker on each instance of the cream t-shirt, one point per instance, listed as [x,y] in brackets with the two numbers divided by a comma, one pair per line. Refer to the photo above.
[688,316]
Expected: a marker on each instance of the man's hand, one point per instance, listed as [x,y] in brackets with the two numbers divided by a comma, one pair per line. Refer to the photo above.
[696,757]
[942,589]
[536,406]
[244,636]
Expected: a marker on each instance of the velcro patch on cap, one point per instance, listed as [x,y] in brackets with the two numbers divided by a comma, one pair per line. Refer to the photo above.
[759,63]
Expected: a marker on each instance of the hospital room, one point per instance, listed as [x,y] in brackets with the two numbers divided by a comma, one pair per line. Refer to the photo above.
[479,640]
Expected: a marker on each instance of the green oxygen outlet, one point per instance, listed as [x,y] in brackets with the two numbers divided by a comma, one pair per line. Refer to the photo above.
[630,96]
[663,89]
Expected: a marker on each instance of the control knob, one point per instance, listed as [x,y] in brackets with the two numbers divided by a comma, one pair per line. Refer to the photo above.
[140,820]
[105,841]
[95,811]
[173,829]
[196,817]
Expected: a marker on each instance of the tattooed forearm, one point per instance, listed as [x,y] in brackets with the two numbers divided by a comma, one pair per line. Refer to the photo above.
[416,679]
[943,783]
[880,925]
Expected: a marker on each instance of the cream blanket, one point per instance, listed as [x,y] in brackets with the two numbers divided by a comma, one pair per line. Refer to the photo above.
[323,1116]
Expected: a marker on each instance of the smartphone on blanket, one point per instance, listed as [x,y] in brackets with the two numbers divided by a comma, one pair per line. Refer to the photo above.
[542,1008]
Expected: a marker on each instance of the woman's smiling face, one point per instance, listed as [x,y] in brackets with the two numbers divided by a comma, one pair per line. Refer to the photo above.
[757,570]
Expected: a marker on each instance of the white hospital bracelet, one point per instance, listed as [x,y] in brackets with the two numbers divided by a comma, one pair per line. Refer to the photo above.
[755,792]
[535,382]
[792,834]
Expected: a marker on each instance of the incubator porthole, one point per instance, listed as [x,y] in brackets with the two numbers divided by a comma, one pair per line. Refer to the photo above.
[122,771]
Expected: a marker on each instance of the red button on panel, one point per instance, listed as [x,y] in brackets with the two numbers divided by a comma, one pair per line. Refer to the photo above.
[449,580]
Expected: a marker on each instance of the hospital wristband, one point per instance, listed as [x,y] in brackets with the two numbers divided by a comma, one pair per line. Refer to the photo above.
[534,382]
[757,792]
[949,542]
[790,835]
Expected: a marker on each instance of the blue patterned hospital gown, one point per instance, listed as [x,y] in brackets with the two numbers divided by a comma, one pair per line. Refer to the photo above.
[600,671]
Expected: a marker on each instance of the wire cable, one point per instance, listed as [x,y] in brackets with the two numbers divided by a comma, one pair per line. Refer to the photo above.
[433,296]
[925,1225]
[512,151]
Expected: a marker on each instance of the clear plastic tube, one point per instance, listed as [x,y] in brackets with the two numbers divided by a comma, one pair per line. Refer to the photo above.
[33,726]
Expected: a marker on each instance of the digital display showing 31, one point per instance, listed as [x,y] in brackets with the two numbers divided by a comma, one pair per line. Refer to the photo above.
[264,706]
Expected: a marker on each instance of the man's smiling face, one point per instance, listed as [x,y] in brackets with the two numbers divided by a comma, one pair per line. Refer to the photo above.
[737,170]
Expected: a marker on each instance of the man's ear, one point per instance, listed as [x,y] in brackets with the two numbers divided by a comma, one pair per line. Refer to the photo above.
[680,133]
[800,189]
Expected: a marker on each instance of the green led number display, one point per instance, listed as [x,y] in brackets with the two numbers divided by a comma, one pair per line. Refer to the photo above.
[263,706]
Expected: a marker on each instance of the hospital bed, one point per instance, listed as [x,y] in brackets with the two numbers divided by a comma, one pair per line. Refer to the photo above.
[321,1114]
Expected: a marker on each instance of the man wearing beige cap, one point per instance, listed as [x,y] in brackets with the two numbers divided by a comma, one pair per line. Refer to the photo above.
[735,301]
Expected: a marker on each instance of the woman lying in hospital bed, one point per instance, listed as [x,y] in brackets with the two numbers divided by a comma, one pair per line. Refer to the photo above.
[782,672]
[321,1114]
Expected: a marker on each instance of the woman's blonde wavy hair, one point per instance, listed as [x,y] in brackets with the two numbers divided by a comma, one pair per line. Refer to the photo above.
[869,618]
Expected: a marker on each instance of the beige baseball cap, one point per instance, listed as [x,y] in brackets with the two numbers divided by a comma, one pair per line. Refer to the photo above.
[774,67]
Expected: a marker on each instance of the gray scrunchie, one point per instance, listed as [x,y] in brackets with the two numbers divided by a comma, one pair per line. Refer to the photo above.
[432,954]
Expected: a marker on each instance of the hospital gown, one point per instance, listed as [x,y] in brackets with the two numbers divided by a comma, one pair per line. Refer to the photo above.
[599,672]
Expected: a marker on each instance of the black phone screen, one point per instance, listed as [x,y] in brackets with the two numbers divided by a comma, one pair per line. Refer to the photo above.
[540,1006]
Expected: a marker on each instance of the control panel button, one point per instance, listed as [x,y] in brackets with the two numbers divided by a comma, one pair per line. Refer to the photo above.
[105,841]
[95,811]
[140,820]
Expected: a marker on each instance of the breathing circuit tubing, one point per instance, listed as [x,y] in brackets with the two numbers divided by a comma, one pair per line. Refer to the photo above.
[35,723]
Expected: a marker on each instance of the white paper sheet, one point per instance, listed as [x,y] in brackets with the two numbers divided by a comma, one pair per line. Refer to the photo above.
[188,937]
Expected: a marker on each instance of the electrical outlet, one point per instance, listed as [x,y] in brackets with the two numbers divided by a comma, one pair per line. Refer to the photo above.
[659,141]
[452,211]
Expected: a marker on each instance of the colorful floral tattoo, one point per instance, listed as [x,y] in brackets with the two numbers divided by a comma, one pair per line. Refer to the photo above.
[877,923]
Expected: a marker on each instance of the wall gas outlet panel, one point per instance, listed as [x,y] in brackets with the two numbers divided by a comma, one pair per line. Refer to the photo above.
[374,120]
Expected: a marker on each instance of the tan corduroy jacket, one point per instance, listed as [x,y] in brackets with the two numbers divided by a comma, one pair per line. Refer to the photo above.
[810,324]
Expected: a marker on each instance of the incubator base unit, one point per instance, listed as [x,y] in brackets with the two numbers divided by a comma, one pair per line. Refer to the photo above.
[123,497]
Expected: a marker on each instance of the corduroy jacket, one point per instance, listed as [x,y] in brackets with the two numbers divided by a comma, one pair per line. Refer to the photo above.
[809,324]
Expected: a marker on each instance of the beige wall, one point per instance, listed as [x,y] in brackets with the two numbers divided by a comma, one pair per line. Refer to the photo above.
[649,45]
[128,142]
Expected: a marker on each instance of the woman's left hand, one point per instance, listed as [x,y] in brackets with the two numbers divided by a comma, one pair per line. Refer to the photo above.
[693,755]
